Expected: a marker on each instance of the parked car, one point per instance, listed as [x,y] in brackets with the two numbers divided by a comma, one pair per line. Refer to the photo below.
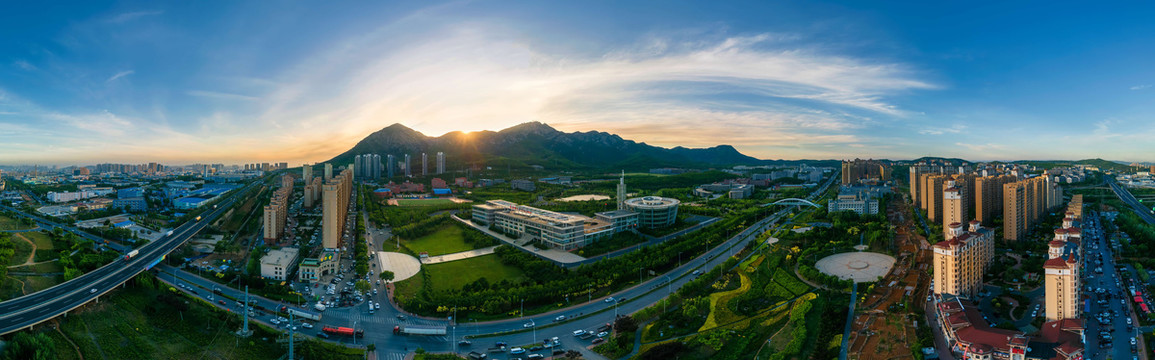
[516,351]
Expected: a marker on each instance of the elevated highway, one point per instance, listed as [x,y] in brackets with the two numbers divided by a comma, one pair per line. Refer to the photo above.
[41,306]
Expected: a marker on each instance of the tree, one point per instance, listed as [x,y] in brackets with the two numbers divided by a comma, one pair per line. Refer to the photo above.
[625,324]
[386,275]
[362,285]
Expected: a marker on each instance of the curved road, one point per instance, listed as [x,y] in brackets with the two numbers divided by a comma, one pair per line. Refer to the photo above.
[32,309]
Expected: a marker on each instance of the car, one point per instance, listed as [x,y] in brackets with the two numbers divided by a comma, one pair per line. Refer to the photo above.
[528,325]
[597,341]
[535,356]
[222,302]
[579,332]
[377,306]
[93,291]
[559,318]
[307,325]
[517,350]
[464,343]
[323,335]
[696,272]
[603,334]
[536,348]
[275,322]
[609,299]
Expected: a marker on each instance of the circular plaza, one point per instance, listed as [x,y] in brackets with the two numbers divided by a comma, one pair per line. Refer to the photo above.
[857,266]
[402,265]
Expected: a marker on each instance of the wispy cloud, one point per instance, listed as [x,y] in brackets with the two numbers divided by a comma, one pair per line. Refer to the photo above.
[220,95]
[129,16]
[943,130]
[1140,87]
[120,75]
[25,65]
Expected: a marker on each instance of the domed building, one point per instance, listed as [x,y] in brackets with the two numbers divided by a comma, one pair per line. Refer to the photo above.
[654,211]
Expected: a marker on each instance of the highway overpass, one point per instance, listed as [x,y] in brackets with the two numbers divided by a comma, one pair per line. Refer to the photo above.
[41,306]
[1144,212]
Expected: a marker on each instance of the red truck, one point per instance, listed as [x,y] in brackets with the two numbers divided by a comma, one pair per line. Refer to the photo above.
[344,331]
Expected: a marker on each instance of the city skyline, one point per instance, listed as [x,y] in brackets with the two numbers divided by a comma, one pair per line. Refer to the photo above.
[177,83]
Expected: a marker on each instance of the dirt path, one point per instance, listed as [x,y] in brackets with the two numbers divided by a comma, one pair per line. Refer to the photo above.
[77,348]
[31,255]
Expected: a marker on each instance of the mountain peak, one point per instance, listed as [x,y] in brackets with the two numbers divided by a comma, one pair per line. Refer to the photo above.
[532,127]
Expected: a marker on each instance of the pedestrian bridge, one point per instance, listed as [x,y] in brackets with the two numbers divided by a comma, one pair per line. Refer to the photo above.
[795,202]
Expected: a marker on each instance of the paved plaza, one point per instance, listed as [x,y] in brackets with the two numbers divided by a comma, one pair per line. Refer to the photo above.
[402,265]
[857,266]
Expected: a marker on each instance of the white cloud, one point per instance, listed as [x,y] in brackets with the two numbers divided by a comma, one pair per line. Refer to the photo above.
[955,129]
[26,66]
[120,75]
[1140,87]
[129,16]
[220,95]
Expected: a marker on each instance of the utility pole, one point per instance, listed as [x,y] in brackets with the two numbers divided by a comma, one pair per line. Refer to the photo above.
[245,309]
[292,331]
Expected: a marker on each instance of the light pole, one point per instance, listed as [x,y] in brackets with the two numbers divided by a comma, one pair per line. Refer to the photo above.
[669,292]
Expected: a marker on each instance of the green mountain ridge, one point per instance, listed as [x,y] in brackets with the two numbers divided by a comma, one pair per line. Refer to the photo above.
[535,143]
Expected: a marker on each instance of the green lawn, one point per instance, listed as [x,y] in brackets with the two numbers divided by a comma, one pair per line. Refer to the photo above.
[447,239]
[42,241]
[423,202]
[23,250]
[7,223]
[455,274]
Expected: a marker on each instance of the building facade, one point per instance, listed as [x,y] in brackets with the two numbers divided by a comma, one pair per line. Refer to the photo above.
[335,208]
[962,259]
[654,211]
[279,264]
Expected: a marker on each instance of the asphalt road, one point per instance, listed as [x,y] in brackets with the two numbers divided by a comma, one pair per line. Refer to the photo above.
[379,326]
[1144,212]
[43,305]
[1108,333]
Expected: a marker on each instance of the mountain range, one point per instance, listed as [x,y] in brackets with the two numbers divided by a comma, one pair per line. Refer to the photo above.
[535,143]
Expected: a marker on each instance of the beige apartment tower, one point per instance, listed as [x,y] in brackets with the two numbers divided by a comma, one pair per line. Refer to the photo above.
[954,206]
[989,196]
[932,195]
[962,259]
[335,203]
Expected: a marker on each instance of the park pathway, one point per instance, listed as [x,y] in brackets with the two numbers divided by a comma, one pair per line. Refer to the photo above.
[458,255]
[849,319]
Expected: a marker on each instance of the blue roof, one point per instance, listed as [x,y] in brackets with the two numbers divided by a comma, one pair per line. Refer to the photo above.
[382,190]
[123,223]
[441,191]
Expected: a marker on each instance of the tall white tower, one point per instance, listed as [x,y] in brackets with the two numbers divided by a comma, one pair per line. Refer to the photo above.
[622,192]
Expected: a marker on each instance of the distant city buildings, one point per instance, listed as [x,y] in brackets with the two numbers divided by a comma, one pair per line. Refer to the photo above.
[367,167]
[861,170]
[522,184]
[424,165]
[390,164]
[69,196]
[952,194]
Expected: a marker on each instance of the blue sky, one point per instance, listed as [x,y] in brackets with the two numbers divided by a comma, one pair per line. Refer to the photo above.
[235,81]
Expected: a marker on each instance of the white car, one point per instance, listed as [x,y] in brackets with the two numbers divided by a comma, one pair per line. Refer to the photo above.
[307,325]
[275,322]
[93,291]
[610,299]
[528,325]
[579,332]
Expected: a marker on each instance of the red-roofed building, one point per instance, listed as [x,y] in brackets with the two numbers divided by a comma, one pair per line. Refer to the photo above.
[969,336]
[961,260]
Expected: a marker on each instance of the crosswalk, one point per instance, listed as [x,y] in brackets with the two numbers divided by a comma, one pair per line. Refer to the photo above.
[391,356]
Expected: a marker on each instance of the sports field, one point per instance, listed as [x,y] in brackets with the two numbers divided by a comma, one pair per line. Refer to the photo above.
[423,202]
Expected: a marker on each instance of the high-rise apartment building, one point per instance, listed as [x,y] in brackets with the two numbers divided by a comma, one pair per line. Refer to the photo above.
[954,205]
[307,173]
[440,163]
[406,167]
[1024,202]
[961,260]
[328,172]
[312,193]
[1061,270]
[335,211]
[916,184]
[277,212]
[932,195]
[424,165]
[390,164]
[989,196]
